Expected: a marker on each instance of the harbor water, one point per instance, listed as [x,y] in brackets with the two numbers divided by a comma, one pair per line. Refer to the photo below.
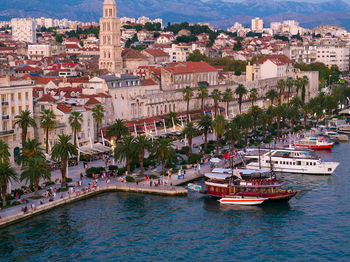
[314,226]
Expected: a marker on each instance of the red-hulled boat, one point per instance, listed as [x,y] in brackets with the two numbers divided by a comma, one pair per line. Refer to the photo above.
[246,182]
[315,143]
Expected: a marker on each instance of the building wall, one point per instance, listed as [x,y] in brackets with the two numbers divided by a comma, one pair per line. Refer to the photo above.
[24,29]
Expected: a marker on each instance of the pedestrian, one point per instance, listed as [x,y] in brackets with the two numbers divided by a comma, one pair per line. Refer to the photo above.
[25,209]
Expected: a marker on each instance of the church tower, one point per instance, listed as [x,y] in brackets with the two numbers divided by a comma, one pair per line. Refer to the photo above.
[110,48]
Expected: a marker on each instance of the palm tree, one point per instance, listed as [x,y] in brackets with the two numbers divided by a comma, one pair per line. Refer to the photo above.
[7,175]
[47,122]
[24,121]
[216,95]
[125,150]
[61,152]
[187,95]
[240,92]
[245,122]
[34,170]
[298,84]
[227,97]
[253,96]
[233,133]
[278,111]
[4,152]
[265,120]
[163,151]
[219,124]
[30,148]
[205,124]
[305,81]
[203,94]
[75,120]
[305,110]
[255,112]
[190,131]
[117,130]
[272,95]
[98,113]
[289,83]
[142,143]
[281,86]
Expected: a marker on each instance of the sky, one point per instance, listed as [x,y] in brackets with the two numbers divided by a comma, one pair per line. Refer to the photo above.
[311,1]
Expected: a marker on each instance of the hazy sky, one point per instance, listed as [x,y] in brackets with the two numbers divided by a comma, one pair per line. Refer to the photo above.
[312,1]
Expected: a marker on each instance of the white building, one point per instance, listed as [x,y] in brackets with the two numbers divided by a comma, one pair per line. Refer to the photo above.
[37,52]
[334,55]
[125,20]
[257,24]
[44,22]
[143,20]
[24,29]
[16,96]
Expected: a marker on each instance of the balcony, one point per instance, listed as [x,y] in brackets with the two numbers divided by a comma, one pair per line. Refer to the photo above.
[7,132]
[4,103]
[5,117]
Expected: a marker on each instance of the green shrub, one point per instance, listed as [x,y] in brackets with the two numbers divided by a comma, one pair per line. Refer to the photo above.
[49,183]
[130,179]
[183,150]
[194,158]
[9,197]
[121,171]
[153,176]
[18,190]
[69,180]
[94,170]
[113,168]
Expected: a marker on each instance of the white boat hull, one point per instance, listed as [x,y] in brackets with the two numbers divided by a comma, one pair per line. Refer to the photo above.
[245,201]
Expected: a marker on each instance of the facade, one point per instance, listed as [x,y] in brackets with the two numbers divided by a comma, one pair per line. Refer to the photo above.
[257,25]
[24,29]
[270,67]
[16,96]
[334,55]
[110,47]
[38,52]
[301,53]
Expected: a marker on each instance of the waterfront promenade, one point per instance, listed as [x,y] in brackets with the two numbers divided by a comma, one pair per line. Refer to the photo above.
[170,187]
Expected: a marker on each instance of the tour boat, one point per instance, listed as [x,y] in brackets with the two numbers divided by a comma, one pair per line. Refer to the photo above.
[316,143]
[228,183]
[336,135]
[289,160]
[241,200]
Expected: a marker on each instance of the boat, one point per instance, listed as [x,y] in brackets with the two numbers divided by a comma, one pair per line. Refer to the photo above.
[241,200]
[194,187]
[340,126]
[289,160]
[316,143]
[336,135]
[228,183]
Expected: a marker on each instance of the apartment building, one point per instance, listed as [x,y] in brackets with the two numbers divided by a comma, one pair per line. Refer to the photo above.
[24,29]
[16,96]
[334,55]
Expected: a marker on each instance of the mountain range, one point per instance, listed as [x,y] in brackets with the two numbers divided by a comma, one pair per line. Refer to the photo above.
[220,13]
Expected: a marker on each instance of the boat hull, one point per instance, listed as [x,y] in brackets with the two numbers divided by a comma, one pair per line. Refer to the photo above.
[316,147]
[242,201]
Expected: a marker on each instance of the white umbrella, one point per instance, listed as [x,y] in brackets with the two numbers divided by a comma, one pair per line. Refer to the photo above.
[215,160]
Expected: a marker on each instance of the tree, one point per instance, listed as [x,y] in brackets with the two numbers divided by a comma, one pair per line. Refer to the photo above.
[47,122]
[187,95]
[272,95]
[4,152]
[24,121]
[265,120]
[202,94]
[278,111]
[298,84]
[205,124]
[219,124]
[98,113]
[142,143]
[255,112]
[281,84]
[30,148]
[245,122]
[233,133]
[59,39]
[240,92]
[227,97]
[61,152]
[125,150]
[7,175]
[305,81]
[289,84]
[117,130]
[305,110]
[253,95]
[75,120]
[190,131]
[216,95]
[34,170]
[164,150]
[197,56]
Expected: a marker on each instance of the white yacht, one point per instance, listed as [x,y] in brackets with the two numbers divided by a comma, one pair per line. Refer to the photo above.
[339,125]
[289,161]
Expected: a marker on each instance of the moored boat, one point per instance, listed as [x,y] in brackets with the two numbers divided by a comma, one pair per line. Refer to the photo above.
[242,200]
[316,143]
[336,135]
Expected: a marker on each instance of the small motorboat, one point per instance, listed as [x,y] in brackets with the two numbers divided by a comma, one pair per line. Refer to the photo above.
[195,187]
[336,135]
[242,200]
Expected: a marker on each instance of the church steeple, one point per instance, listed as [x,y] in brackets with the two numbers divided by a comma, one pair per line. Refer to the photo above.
[110,48]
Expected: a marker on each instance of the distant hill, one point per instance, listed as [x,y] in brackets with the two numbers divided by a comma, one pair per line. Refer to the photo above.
[220,13]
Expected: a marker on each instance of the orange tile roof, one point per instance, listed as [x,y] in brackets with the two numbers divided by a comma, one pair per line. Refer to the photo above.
[46,98]
[190,67]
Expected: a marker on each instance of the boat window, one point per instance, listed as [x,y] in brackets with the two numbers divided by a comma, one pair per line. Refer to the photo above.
[307,163]
[299,163]
[329,169]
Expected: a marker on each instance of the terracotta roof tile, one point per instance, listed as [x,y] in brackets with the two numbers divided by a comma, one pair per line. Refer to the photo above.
[64,108]
[46,98]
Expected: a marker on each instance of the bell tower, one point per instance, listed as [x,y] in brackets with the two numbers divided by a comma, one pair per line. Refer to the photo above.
[110,48]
